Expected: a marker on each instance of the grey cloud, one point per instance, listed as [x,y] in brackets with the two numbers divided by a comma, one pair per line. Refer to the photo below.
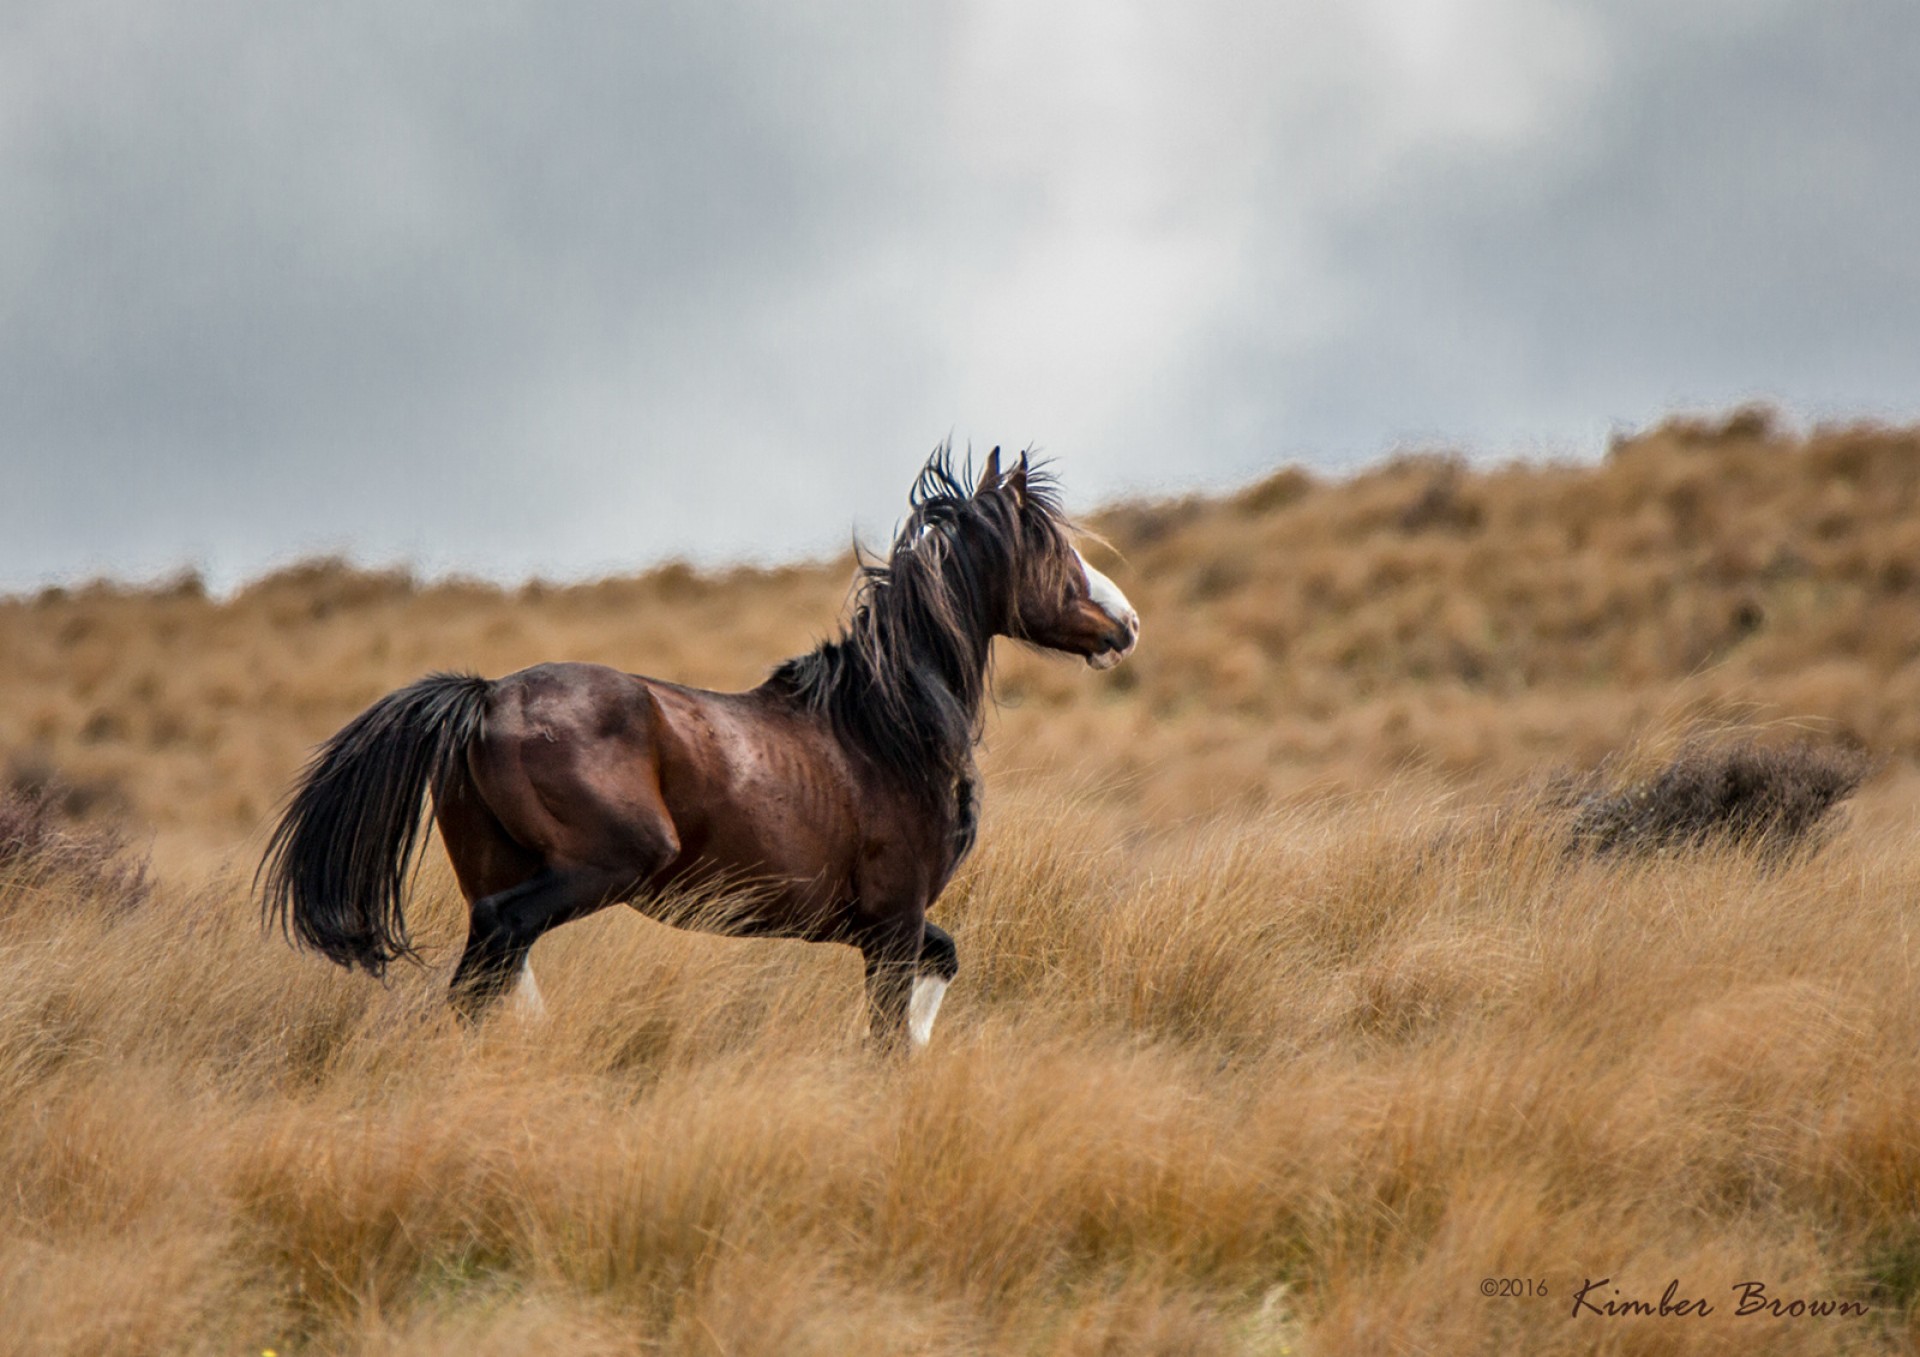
[511,288]
[1730,217]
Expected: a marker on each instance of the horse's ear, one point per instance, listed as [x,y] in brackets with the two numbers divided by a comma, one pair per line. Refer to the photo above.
[989,474]
[1017,481]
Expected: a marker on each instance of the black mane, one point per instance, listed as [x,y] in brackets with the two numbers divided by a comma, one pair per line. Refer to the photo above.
[905,682]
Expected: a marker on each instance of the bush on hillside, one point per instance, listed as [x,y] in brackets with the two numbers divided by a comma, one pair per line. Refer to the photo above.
[34,844]
[1778,799]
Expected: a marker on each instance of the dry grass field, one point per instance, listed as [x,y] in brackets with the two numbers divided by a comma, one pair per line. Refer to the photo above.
[1319,965]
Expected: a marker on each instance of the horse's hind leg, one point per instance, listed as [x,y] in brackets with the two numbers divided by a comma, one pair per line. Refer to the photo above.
[939,963]
[486,859]
[506,924]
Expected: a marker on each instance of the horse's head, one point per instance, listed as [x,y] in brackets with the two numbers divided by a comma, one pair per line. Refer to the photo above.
[1058,600]
[906,681]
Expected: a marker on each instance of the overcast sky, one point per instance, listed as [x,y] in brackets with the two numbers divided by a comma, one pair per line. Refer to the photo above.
[568,288]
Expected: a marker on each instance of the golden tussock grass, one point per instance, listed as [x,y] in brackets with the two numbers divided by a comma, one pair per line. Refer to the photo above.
[1290,1009]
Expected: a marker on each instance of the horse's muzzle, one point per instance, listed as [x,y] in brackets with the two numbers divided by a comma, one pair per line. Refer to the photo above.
[1120,644]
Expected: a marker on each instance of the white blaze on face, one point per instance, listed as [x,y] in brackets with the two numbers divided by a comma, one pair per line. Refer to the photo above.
[924,1007]
[1108,599]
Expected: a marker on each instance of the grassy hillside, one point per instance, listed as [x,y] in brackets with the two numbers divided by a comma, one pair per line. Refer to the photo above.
[1297,999]
[1304,636]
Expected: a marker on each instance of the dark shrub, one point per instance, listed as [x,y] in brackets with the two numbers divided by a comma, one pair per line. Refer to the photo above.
[1775,798]
[34,845]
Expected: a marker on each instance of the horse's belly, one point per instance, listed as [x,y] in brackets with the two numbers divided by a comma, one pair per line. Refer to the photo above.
[753,882]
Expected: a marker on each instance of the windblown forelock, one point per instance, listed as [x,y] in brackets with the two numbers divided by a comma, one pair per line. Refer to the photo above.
[1013,534]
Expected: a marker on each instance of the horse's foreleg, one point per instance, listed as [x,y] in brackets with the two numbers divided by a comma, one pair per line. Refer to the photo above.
[527,1000]
[892,951]
[505,925]
[939,962]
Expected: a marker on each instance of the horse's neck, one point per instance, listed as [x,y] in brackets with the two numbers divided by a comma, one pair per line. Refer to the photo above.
[925,655]
[959,661]
[907,691]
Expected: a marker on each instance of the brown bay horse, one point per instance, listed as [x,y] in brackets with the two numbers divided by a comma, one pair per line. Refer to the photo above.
[834,801]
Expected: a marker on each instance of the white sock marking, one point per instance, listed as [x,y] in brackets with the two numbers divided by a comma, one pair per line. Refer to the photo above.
[527,1001]
[924,1007]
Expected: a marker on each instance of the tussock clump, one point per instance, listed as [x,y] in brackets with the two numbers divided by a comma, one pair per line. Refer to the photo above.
[1775,798]
[34,777]
[96,861]
[26,828]
[1273,1084]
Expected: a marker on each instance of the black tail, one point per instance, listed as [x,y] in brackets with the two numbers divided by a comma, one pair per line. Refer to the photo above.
[336,867]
